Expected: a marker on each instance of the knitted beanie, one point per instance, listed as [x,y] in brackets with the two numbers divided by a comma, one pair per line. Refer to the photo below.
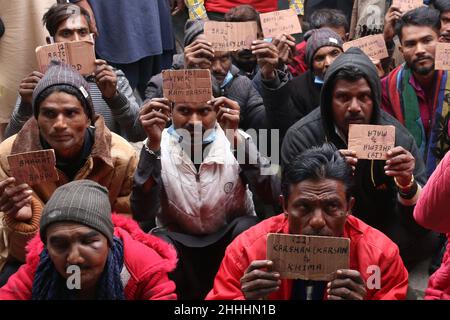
[192,29]
[318,38]
[59,74]
[81,201]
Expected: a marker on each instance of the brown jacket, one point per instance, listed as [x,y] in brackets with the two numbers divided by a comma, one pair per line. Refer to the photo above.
[112,164]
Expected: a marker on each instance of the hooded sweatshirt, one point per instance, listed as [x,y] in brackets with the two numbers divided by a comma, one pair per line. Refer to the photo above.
[376,195]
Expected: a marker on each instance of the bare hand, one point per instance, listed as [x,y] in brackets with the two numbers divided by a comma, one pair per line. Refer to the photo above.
[228,112]
[392,16]
[350,157]
[286,48]
[198,54]
[267,55]
[27,86]
[346,285]
[154,116]
[15,200]
[106,79]
[258,281]
[400,164]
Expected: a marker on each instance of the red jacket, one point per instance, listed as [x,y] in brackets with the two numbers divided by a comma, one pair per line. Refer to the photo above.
[146,258]
[223,6]
[432,212]
[368,247]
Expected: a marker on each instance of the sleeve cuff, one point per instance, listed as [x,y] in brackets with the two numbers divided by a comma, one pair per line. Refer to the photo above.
[117,102]
[26,227]
[413,200]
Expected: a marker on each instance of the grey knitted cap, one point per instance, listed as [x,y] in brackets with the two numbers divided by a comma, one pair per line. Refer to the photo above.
[192,29]
[318,38]
[59,74]
[82,201]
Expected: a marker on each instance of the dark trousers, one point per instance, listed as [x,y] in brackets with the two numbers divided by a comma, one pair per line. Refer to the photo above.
[199,257]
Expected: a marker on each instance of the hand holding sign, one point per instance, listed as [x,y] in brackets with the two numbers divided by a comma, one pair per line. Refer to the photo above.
[15,200]
[346,285]
[27,86]
[106,79]
[259,280]
[154,116]
[267,56]
[400,164]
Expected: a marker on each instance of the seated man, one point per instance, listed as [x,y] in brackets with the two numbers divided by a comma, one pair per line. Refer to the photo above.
[111,93]
[190,181]
[386,191]
[287,101]
[316,201]
[82,252]
[64,120]
[432,212]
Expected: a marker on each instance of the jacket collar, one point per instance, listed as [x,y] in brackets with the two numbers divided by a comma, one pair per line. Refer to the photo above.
[28,140]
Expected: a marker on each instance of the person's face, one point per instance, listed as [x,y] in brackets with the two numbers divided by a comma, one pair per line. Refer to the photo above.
[244,59]
[445,26]
[72,244]
[323,58]
[62,123]
[351,103]
[318,208]
[220,65]
[418,47]
[75,28]
[196,118]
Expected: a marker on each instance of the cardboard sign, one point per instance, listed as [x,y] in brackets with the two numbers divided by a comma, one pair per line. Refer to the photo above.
[307,257]
[187,85]
[33,167]
[442,56]
[406,5]
[78,54]
[371,141]
[373,46]
[231,36]
[280,22]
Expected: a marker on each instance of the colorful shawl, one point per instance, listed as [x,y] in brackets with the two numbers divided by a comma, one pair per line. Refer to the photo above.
[403,97]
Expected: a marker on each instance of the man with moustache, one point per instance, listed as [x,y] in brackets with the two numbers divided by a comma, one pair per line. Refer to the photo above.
[385,191]
[317,200]
[415,93]
[190,184]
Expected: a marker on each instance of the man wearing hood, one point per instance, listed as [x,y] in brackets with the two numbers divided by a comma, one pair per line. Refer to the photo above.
[289,101]
[385,191]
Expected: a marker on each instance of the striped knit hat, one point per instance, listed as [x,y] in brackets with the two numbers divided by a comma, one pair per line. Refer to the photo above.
[60,74]
[81,201]
[319,38]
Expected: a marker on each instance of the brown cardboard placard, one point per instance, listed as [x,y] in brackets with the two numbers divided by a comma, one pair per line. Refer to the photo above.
[371,141]
[373,46]
[230,36]
[442,56]
[33,167]
[187,85]
[307,257]
[280,22]
[78,54]
[406,5]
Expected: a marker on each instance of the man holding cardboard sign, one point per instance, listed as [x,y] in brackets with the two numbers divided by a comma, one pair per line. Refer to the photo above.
[317,202]
[111,93]
[189,181]
[386,190]
[64,120]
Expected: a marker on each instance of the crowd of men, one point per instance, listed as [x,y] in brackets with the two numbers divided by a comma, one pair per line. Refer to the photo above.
[188,216]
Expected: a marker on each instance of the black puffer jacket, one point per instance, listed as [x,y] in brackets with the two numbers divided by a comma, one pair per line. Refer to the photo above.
[375,193]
